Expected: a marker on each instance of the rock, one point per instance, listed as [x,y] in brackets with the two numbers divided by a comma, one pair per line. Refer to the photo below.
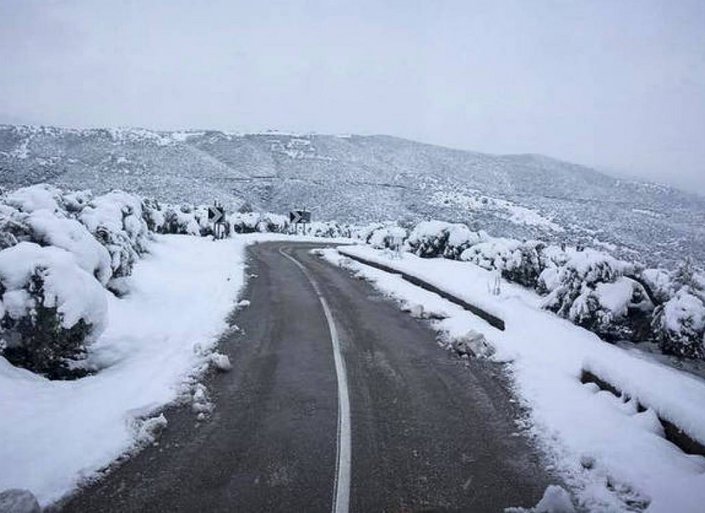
[555,500]
[221,362]
[416,311]
[151,429]
[18,501]
[473,344]
[200,402]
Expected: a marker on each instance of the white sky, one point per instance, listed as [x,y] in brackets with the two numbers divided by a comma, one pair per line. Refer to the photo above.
[609,83]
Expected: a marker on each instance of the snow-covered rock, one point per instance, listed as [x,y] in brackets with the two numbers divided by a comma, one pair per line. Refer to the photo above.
[220,362]
[149,430]
[473,343]
[555,500]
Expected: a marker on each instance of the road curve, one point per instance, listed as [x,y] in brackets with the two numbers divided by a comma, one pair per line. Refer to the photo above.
[429,432]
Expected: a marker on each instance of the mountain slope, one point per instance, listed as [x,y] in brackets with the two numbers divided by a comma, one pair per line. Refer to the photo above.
[365,178]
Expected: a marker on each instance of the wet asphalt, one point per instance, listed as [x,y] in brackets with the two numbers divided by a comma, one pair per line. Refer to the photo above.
[430,432]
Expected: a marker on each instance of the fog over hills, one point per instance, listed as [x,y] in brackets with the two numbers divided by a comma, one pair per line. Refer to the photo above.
[366,178]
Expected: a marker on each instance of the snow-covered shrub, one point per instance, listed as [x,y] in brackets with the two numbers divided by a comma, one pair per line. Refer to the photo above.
[659,284]
[51,308]
[180,221]
[35,197]
[520,262]
[330,229]
[591,290]
[274,223]
[428,239]
[252,222]
[679,325]
[154,215]
[387,237]
[364,233]
[76,201]
[49,229]
[244,222]
[116,220]
[617,310]
[436,238]
[460,238]
[12,227]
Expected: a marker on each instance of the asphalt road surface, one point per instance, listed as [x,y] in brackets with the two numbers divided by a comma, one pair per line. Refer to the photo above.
[423,430]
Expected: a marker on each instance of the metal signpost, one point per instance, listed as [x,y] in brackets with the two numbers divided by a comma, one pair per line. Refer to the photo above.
[297,217]
[216,215]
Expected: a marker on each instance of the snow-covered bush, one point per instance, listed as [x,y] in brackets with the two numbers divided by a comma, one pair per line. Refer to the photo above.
[180,221]
[679,325]
[154,215]
[387,237]
[591,290]
[330,229]
[520,262]
[252,222]
[49,229]
[35,197]
[51,308]
[364,233]
[615,311]
[460,238]
[428,239]
[436,238]
[116,220]
[659,284]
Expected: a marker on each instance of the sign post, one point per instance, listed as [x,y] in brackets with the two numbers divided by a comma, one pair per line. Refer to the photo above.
[216,215]
[297,217]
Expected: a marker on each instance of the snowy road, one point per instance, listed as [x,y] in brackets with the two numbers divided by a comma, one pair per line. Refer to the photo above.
[429,431]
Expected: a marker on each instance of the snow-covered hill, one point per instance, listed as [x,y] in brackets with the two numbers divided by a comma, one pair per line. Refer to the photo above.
[365,178]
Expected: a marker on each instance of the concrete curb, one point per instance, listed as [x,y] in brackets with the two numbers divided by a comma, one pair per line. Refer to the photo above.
[491,319]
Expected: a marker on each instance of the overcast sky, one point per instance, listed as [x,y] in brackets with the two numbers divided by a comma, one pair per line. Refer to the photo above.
[614,84]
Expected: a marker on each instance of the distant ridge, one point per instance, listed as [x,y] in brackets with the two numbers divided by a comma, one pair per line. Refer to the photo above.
[365,178]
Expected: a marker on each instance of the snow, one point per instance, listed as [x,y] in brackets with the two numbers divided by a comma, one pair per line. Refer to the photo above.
[72,236]
[18,501]
[682,308]
[474,201]
[35,197]
[54,433]
[573,422]
[67,287]
[617,296]
[555,500]
[221,362]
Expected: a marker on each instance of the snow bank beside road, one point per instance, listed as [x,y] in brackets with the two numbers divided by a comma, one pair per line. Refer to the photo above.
[614,454]
[54,433]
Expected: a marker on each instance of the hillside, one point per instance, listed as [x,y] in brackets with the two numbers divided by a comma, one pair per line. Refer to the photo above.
[365,178]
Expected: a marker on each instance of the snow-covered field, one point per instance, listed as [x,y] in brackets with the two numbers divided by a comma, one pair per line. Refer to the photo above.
[614,457]
[56,433]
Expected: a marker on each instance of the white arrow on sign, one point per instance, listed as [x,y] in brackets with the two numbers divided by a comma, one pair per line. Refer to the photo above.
[215,214]
[295,216]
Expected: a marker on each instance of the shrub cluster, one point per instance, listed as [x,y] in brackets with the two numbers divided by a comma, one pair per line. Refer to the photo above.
[616,299]
[59,253]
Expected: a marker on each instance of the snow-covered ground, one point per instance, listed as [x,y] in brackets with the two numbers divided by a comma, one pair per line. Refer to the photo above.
[56,433]
[614,457]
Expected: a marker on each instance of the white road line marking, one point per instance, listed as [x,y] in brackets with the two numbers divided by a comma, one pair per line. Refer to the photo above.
[341,493]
